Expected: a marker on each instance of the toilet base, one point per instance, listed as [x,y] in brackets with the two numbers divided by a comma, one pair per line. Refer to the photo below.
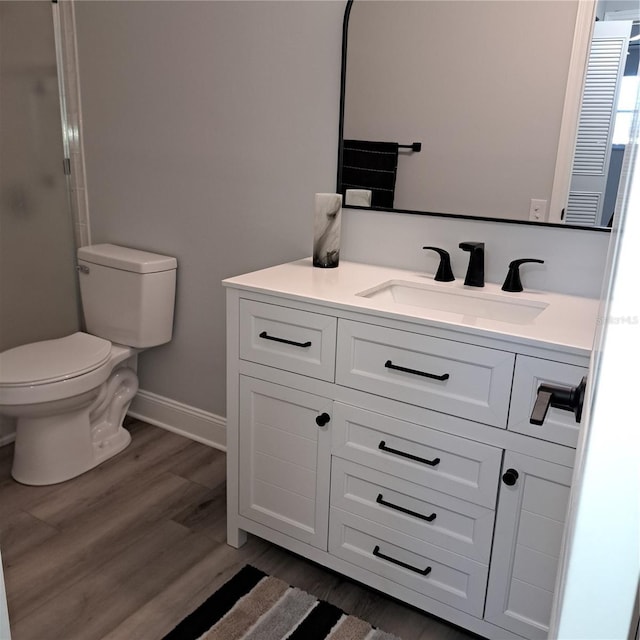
[38,463]
[84,432]
[112,446]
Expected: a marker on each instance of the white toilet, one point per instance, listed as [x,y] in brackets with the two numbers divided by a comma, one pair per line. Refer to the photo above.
[70,395]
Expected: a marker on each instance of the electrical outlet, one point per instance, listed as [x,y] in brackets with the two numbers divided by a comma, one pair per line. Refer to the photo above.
[538,210]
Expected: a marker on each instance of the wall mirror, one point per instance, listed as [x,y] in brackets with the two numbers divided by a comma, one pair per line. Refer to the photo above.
[476,108]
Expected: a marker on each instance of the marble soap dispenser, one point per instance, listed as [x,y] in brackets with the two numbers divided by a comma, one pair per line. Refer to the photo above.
[326,230]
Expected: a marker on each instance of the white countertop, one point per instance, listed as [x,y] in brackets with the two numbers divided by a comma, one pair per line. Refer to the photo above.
[568,323]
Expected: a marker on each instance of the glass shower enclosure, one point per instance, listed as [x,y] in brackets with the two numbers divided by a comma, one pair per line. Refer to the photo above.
[38,291]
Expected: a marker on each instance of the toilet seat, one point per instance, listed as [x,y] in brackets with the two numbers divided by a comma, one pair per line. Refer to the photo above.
[51,361]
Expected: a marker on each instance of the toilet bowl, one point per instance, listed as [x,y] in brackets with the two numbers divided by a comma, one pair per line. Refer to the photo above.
[70,395]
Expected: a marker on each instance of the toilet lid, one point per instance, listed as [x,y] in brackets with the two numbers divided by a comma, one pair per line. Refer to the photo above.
[53,360]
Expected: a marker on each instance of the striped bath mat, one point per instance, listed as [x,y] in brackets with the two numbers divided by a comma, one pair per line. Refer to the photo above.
[255,606]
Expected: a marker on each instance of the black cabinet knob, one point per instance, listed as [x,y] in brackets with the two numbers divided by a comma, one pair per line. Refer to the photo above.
[322,419]
[510,477]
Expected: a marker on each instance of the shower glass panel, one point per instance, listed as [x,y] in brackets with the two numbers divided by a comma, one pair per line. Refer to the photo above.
[38,292]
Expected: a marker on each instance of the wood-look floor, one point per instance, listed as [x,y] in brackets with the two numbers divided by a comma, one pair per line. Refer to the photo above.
[125,551]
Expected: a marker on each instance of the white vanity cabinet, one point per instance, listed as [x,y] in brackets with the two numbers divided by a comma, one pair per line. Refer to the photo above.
[528,534]
[284,457]
[399,451]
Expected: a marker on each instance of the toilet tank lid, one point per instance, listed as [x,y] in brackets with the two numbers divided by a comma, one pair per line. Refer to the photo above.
[111,255]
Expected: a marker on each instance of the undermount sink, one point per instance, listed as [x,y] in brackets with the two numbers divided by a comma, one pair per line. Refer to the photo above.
[475,304]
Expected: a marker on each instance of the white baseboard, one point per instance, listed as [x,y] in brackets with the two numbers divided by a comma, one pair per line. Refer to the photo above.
[182,419]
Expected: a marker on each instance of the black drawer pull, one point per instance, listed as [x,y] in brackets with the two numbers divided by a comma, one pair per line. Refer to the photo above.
[431,463]
[285,341]
[422,572]
[389,365]
[382,501]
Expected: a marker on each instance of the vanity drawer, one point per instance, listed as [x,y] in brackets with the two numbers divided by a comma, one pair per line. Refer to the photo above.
[559,426]
[426,457]
[453,377]
[450,523]
[289,339]
[413,563]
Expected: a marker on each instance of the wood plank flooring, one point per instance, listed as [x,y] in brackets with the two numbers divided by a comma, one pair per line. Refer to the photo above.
[125,551]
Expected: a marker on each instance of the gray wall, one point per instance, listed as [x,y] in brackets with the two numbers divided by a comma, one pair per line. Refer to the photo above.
[574,258]
[208,128]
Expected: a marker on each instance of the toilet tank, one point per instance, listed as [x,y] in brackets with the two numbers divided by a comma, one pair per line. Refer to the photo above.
[127,295]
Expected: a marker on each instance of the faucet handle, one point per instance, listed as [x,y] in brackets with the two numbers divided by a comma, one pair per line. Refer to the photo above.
[444,273]
[512,282]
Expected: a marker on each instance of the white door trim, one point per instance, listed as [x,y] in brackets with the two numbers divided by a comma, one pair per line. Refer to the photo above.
[585,20]
[600,566]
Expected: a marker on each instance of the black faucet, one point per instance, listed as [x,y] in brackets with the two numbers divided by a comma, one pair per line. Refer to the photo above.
[444,273]
[475,270]
[512,282]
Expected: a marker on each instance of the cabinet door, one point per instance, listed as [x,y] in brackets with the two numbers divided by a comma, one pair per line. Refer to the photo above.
[285,459]
[526,548]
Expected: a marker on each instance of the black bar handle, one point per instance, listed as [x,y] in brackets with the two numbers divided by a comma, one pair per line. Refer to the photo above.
[431,463]
[422,572]
[382,501]
[389,365]
[285,341]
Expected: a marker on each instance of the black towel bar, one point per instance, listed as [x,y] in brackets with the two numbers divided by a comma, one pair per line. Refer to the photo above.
[416,146]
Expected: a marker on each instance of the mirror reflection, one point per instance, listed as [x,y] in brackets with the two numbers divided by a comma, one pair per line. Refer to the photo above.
[459,108]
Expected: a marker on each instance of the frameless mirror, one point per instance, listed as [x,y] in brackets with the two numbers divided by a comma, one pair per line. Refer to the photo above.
[475,108]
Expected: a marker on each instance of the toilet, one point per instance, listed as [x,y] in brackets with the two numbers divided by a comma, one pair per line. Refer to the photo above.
[70,395]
